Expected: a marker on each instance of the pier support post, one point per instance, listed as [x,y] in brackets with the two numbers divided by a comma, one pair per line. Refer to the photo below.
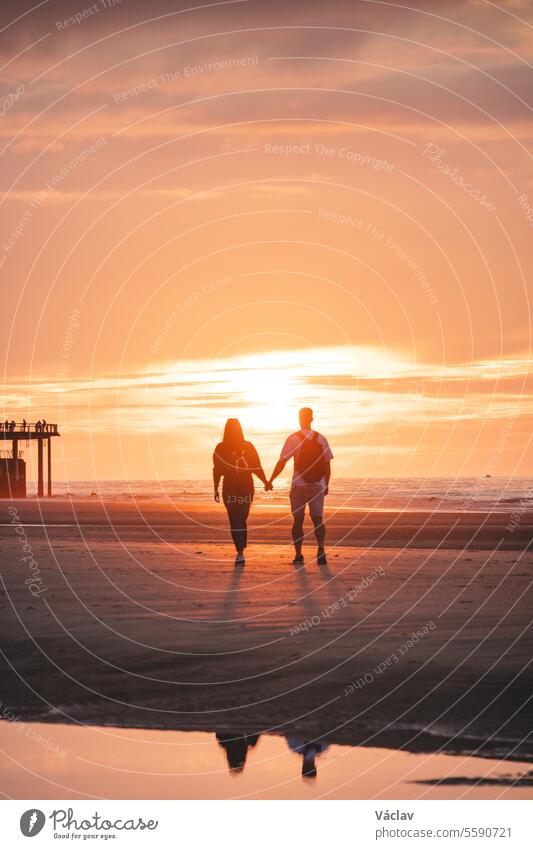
[15,455]
[40,481]
[49,458]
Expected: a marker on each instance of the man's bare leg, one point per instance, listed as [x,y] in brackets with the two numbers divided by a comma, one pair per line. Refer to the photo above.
[320,535]
[298,535]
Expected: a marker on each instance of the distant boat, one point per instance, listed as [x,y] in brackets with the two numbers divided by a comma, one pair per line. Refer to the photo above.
[488,476]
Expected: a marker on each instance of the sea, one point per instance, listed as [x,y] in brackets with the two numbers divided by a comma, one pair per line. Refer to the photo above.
[501,494]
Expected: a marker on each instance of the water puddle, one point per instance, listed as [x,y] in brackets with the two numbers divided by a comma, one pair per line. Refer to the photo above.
[50,761]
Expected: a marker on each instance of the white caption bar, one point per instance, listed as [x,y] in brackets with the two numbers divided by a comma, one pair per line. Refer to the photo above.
[268,824]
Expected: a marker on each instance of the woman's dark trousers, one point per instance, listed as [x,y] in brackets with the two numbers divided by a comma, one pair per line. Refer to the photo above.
[238,508]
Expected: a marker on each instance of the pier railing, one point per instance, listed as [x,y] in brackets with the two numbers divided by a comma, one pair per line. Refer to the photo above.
[13,428]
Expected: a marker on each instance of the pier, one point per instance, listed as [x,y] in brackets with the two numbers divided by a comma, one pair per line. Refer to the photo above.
[12,463]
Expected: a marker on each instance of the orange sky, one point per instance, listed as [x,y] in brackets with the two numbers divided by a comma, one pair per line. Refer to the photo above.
[250,206]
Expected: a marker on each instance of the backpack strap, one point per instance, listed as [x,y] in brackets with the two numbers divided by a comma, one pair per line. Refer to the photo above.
[241,457]
[302,436]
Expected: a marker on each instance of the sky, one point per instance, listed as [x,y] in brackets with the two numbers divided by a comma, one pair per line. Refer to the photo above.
[240,208]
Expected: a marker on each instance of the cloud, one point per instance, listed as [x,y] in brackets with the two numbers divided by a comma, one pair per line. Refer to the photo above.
[376,389]
[96,62]
[55,197]
[314,28]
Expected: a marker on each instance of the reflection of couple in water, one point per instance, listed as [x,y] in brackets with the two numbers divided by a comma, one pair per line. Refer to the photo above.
[236,461]
[236,747]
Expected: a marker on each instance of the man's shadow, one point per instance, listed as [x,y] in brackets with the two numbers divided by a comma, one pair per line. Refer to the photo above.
[324,571]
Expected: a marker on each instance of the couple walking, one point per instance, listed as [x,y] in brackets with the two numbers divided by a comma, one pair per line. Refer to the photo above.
[236,461]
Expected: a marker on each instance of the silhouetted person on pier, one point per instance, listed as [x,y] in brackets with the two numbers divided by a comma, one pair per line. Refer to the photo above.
[45,426]
[310,482]
[12,426]
[236,747]
[237,461]
[24,424]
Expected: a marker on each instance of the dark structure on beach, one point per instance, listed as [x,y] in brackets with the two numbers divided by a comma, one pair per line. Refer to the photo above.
[12,463]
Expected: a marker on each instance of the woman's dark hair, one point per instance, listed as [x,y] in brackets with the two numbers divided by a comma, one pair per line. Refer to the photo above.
[233,435]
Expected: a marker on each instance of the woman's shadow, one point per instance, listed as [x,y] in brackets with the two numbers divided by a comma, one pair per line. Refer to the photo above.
[229,602]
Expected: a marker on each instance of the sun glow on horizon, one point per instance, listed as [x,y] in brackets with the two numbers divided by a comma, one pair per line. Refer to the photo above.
[373,403]
[266,389]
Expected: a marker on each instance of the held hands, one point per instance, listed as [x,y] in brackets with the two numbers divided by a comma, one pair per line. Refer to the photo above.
[269,486]
[217,496]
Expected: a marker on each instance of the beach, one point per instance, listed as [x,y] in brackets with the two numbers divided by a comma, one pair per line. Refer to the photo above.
[130,613]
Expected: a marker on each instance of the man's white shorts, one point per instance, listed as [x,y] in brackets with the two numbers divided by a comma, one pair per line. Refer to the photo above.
[309,493]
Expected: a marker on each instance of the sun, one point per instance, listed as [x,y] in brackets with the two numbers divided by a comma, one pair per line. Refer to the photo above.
[269,396]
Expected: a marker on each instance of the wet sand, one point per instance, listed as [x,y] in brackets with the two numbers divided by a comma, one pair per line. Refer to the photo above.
[416,635]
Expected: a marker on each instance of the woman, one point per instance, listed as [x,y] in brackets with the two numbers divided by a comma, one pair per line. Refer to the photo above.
[237,461]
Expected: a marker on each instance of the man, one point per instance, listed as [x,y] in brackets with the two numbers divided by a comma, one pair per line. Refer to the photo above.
[310,482]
